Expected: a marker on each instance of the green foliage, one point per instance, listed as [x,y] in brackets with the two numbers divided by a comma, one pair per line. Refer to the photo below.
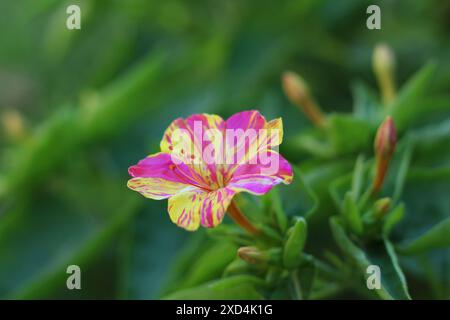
[94,101]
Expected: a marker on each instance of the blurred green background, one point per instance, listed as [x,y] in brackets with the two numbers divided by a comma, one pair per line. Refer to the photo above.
[80,106]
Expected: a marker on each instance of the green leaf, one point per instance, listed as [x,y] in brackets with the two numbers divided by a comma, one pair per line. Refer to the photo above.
[106,114]
[424,110]
[59,240]
[239,267]
[393,280]
[365,104]
[338,188]
[358,177]
[437,237]
[410,93]
[298,198]
[319,175]
[402,171]
[309,141]
[393,218]
[348,134]
[425,196]
[346,245]
[307,275]
[51,145]
[148,249]
[393,284]
[351,214]
[209,264]
[231,288]
[432,144]
[277,209]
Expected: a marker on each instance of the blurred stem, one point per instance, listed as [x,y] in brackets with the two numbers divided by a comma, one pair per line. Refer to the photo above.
[326,270]
[298,93]
[326,293]
[236,214]
[388,90]
[296,284]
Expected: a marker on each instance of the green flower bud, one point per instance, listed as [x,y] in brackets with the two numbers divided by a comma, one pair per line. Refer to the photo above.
[295,242]
[381,207]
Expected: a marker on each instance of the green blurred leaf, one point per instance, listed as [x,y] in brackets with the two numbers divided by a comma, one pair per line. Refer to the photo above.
[358,177]
[351,214]
[298,198]
[365,104]
[402,170]
[393,284]
[437,237]
[232,288]
[393,218]
[149,247]
[411,92]
[348,134]
[277,209]
[36,249]
[306,277]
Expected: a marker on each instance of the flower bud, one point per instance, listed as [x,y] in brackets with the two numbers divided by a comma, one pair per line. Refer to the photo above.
[297,91]
[13,125]
[384,146]
[295,242]
[381,207]
[386,139]
[383,63]
[252,255]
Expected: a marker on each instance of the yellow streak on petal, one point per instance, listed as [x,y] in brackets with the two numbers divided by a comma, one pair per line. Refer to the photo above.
[184,209]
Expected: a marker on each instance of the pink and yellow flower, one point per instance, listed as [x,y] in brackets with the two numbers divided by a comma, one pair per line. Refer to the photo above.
[200,190]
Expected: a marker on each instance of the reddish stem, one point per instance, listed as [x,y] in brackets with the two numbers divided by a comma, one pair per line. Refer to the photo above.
[237,216]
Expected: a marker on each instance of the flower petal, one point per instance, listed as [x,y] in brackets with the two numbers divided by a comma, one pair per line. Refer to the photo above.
[250,119]
[188,139]
[260,177]
[184,209]
[274,129]
[247,134]
[214,206]
[158,177]
[189,209]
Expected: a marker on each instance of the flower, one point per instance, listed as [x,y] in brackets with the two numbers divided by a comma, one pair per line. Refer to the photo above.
[205,161]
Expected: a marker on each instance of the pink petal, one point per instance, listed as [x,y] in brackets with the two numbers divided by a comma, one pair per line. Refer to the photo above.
[251,119]
[158,177]
[247,134]
[260,177]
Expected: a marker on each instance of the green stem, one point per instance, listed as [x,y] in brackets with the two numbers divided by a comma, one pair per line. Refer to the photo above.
[296,284]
